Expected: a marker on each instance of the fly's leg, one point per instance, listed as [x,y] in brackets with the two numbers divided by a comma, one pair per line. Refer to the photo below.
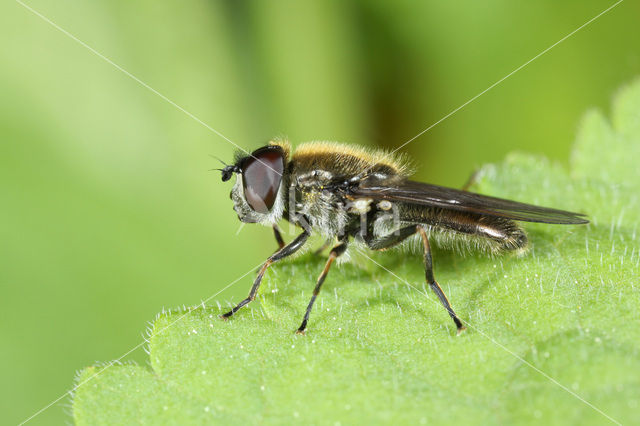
[391,239]
[323,247]
[428,272]
[399,236]
[472,179]
[279,240]
[287,250]
[278,235]
[335,252]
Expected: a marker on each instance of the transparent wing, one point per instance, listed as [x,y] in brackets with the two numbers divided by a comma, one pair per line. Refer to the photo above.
[425,194]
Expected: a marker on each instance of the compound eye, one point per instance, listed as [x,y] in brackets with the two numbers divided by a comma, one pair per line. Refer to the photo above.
[261,177]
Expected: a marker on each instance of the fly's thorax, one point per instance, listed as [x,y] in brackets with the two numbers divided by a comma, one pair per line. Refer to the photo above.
[321,174]
[321,196]
[348,160]
[312,196]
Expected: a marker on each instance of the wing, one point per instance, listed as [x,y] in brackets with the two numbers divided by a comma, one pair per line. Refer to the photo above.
[424,194]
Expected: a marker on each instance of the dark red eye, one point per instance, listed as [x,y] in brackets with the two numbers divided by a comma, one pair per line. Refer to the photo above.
[261,177]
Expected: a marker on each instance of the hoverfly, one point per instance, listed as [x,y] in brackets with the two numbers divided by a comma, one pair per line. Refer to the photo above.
[352,195]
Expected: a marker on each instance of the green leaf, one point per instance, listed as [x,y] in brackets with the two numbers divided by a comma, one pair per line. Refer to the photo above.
[380,349]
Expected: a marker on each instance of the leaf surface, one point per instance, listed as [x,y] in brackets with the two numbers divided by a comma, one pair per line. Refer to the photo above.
[379,349]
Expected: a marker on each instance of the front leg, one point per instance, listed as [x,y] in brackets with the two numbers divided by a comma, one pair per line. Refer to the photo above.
[287,250]
[278,235]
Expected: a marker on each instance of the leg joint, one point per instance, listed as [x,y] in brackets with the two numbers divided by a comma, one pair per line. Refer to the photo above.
[339,249]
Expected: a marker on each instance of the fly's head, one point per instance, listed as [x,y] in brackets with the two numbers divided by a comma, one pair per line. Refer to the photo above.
[258,193]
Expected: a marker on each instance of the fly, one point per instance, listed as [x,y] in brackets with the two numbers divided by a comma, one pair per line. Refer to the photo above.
[352,195]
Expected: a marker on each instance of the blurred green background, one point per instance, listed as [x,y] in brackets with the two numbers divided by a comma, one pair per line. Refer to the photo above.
[108,210]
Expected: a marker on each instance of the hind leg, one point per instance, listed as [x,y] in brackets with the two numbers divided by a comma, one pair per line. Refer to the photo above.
[428,272]
[401,235]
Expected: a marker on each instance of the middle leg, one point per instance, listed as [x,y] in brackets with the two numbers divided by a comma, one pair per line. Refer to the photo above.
[335,252]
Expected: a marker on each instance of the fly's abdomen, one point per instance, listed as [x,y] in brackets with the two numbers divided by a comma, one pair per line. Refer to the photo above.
[491,233]
[505,234]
